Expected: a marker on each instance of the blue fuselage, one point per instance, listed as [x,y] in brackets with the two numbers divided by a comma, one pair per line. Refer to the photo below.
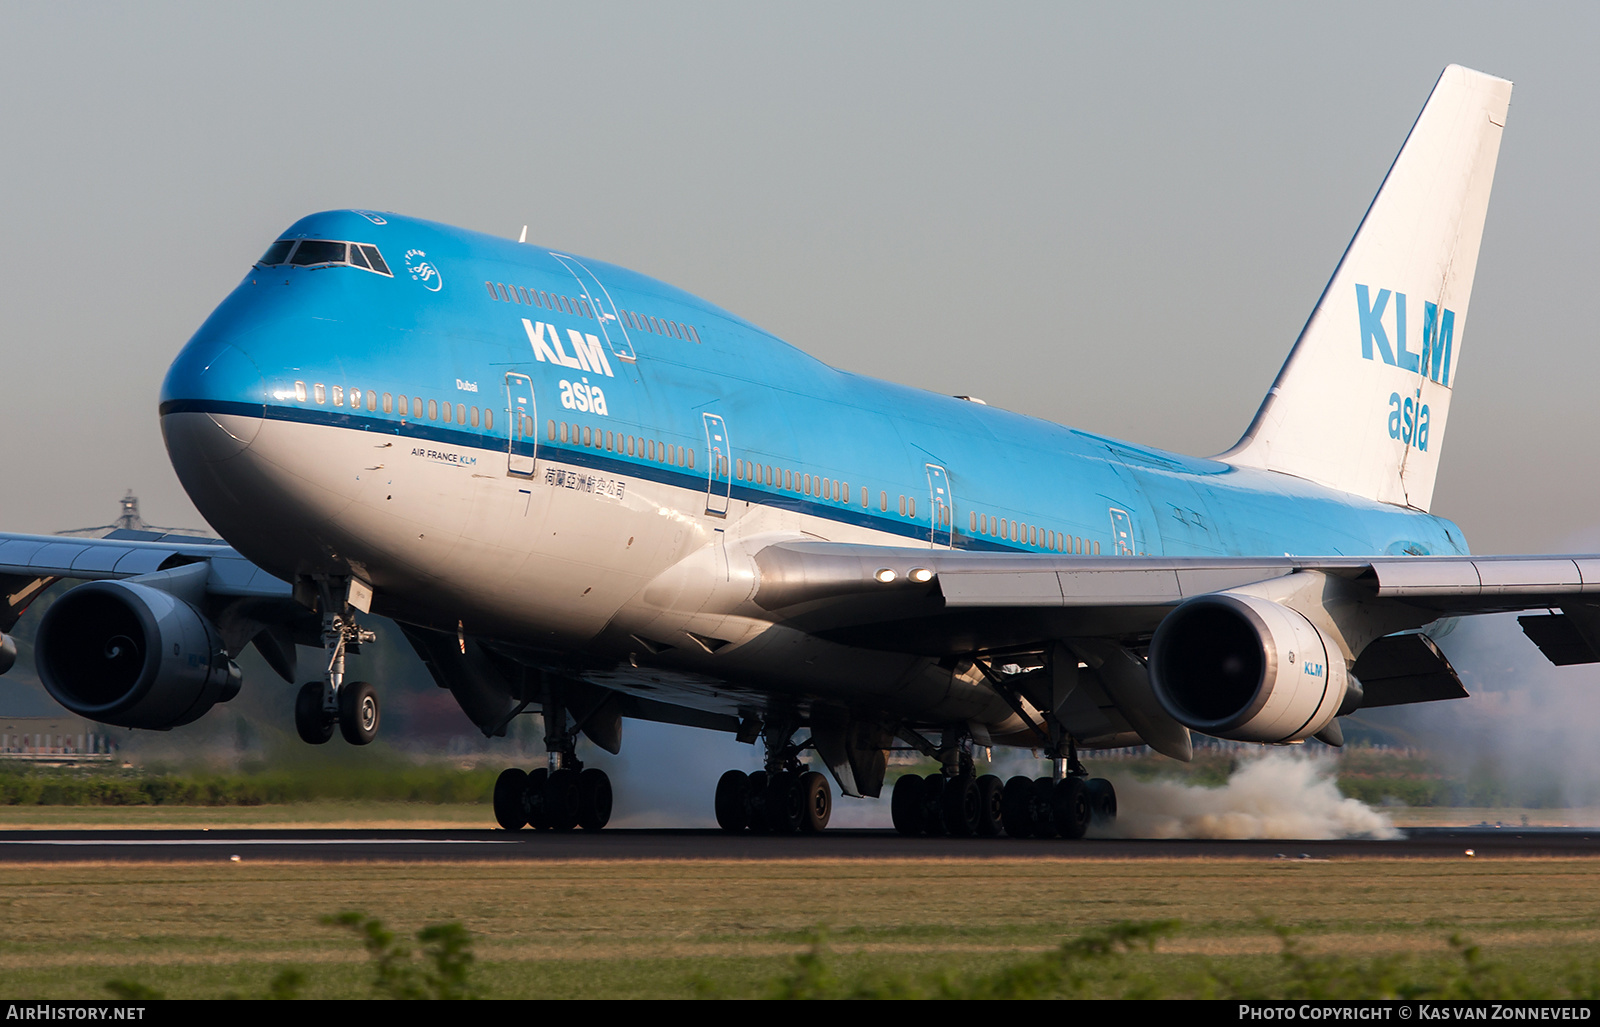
[635,383]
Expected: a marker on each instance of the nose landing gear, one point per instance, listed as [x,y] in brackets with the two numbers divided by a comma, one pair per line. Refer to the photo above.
[353,706]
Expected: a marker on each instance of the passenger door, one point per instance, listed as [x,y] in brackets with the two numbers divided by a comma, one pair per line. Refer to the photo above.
[939,506]
[719,480]
[522,427]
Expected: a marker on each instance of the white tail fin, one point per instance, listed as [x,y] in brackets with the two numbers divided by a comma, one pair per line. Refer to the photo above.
[1362,401]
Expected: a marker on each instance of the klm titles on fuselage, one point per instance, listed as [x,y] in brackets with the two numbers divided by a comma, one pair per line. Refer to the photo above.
[588,354]
[1408,415]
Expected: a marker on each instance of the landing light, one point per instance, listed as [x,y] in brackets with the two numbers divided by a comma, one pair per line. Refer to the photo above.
[920,575]
[885,575]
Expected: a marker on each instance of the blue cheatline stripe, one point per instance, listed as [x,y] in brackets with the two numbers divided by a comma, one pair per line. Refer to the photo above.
[913,531]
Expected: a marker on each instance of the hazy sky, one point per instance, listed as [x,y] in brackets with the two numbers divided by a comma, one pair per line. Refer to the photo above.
[1115,216]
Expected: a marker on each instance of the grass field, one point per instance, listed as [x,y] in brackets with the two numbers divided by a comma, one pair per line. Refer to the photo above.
[664,929]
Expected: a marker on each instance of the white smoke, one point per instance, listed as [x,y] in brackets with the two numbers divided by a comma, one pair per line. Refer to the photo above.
[1281,794]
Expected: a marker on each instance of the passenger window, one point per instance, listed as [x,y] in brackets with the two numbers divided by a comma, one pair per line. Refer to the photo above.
[865,500]
[587,437]
[911,508]
[550,430]
[883,501]
[563,431]
[388,403]
[433,410]
[611,440]
[691,459]
[490,287]
[338,395]
[318,391]
[300,391]
[488,421]
[974,524]
[447,419]
[461,413]
[902,506]
[474,417]
[416,407]
[696,337]
[582,305]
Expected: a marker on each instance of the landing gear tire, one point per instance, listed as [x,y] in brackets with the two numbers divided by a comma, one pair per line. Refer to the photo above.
[733,801]
[905,805]
[509,810]
[960,806]
[816,800]
[1044,821]
[312,724]
[533,798]
[990,823]
[1016,807]
[784,810]
[561,800]
[358,712]
[1102,800]
[594,799]
[756,804]
[933,787]
[1070,808]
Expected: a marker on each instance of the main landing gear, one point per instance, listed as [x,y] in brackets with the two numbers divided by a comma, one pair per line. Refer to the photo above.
[967,807]
[785,798]
[786,802]
[352,705]
[958,804]
[561,797]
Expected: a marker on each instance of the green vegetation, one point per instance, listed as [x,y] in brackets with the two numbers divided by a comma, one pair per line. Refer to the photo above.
[1117,961]
[382,780]
[993,926]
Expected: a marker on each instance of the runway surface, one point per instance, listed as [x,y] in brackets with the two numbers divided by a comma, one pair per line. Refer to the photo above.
[179,846]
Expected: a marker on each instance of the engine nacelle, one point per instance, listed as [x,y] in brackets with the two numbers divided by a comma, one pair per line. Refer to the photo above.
[127,654]
[1241,667]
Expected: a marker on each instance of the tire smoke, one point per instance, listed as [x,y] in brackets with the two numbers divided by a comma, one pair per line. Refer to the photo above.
[1277,795]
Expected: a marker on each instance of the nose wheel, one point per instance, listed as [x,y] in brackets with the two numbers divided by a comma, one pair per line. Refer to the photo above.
[357,714]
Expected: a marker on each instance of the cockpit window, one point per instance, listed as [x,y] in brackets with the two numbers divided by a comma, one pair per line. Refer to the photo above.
[318,251]
[277,253]
[376,260]
[325,252]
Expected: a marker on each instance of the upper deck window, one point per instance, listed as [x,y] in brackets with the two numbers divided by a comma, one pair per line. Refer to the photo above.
[325,253]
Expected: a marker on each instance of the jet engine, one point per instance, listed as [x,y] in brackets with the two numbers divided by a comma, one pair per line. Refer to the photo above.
[127,654]
[1241,667]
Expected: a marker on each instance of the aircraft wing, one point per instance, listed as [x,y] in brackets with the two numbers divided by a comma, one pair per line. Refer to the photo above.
[948,602]
[29,564]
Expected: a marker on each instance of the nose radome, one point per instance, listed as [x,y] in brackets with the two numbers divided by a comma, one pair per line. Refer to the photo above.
[214,397]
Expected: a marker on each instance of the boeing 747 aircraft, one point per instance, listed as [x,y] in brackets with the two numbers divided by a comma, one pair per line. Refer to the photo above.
[584,493]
